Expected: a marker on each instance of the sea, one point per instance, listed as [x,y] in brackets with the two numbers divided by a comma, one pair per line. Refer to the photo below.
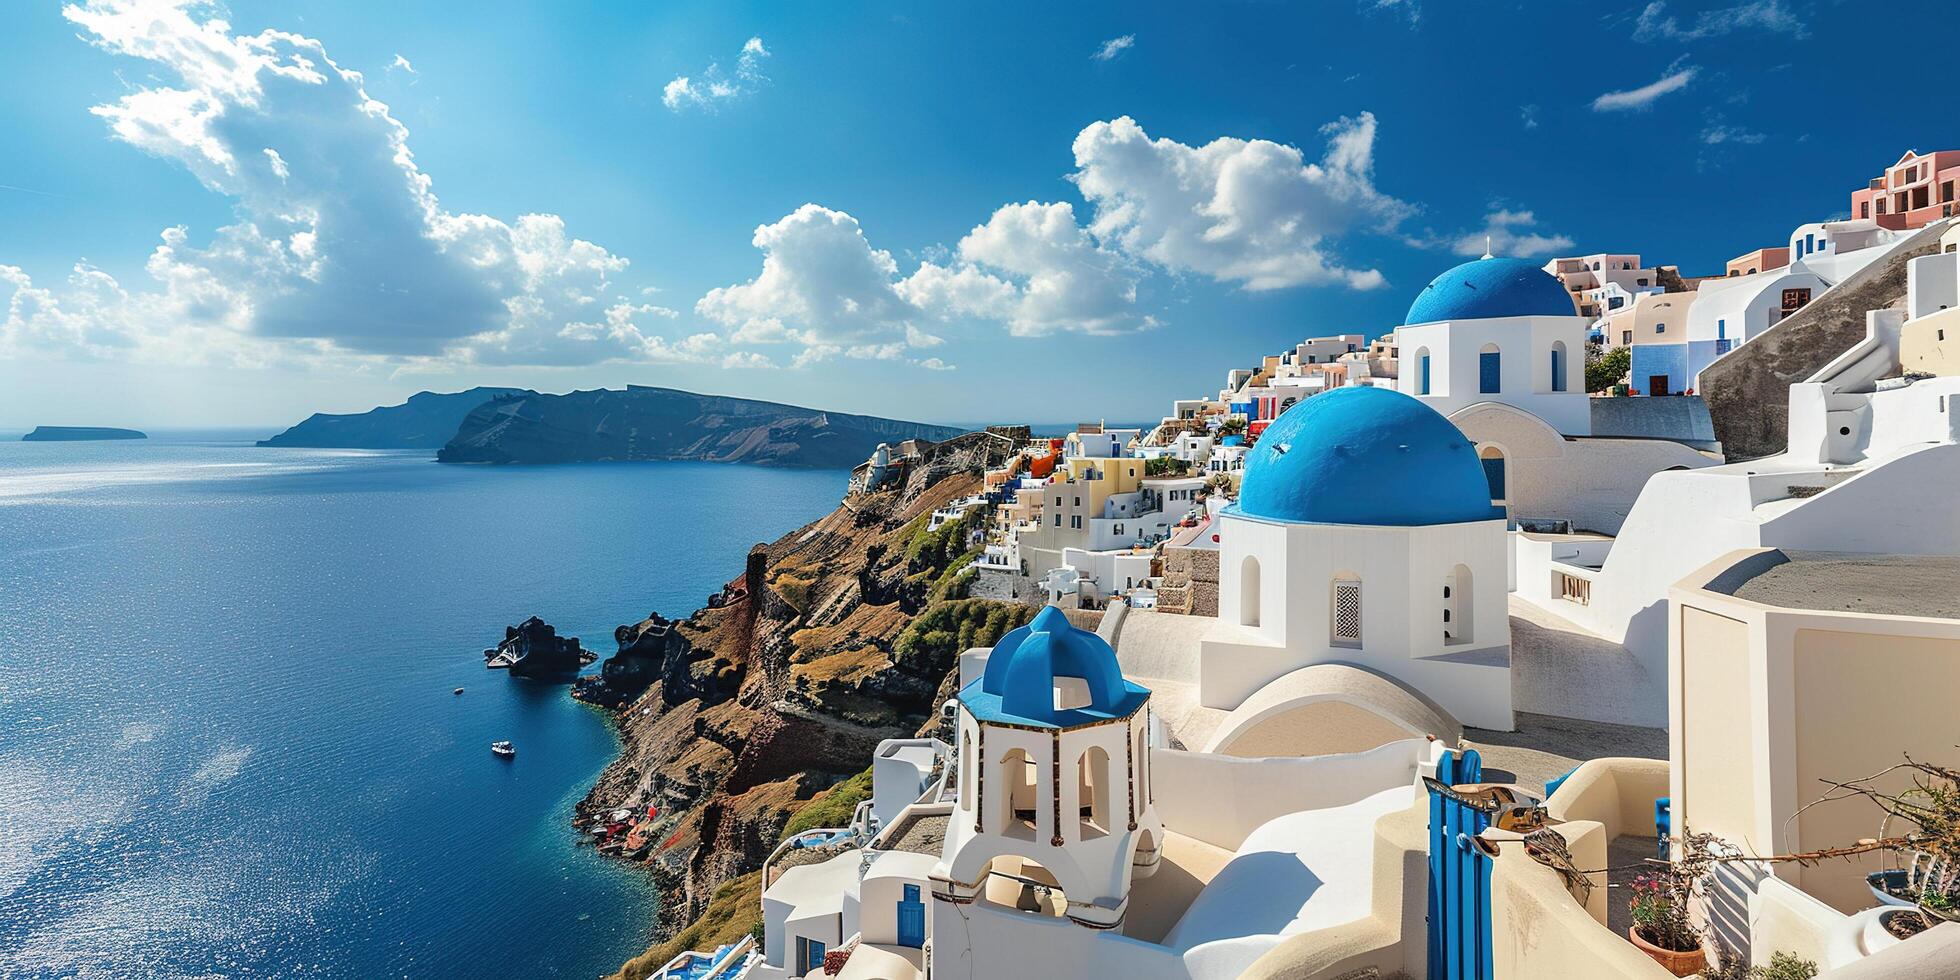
[229,745]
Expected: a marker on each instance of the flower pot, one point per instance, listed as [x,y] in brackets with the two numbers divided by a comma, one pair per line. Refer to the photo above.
[1680,964]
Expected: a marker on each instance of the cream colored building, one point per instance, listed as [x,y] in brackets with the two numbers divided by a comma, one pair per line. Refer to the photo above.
[1788,671]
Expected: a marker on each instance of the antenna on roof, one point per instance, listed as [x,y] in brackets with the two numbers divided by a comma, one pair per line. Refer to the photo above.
[1487,248]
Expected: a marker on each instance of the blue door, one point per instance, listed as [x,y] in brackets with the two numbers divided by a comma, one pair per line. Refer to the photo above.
[1425,375]
[911,919]
[1488,373]
[1459,880]
[1558,369]
[1494,475]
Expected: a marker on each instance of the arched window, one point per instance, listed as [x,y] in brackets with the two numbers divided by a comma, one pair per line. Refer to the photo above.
[1093,779]
[1558,365]
[1422,371]
[1489,370]
[1344,626]
[1457,607]
[1249,591]
[1493,460]
[1018,809]
[968,776]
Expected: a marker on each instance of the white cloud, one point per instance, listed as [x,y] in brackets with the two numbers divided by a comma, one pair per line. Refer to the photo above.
[1252,212]
[711,87]
[823,286]
[402,64]
[340,247]
[1505,232]
[1113,47]
[1676,79]
[1409,9]
[1718,131]
[1656,24]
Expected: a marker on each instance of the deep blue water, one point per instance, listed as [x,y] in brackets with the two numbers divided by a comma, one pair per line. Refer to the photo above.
[228,743]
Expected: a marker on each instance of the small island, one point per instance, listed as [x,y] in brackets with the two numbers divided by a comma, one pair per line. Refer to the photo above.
[79,433]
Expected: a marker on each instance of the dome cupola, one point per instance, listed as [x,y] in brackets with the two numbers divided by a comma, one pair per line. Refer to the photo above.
[1364,455]
[1488,288]
[1051,674]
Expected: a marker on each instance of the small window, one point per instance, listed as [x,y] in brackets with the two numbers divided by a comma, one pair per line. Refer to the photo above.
[1721,329]
[1660,328]
[1864,209]
[1347,612]
[1626,336]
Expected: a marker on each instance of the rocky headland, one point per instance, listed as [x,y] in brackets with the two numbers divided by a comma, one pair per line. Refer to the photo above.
[533,648]
[763,707]
[79,433]
[426,421]
[641,423]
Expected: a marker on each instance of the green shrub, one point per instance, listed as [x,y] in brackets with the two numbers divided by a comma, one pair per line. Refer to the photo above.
[1785,966]
[832,807]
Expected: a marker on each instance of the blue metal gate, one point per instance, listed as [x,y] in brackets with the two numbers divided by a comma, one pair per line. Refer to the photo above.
[911,919]
[1459,879]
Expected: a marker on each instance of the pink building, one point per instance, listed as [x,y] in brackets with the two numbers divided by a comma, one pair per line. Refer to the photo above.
[1915,192]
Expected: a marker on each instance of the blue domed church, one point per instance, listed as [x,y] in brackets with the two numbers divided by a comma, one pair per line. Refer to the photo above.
[1497,330]
[1364,534]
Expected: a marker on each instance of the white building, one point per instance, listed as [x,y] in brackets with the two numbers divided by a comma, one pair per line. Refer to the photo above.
[1497,330]
[1364,534]
[1865,448]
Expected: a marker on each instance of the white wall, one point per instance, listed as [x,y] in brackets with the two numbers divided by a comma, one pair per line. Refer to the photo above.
[1524,367]
[1220,799]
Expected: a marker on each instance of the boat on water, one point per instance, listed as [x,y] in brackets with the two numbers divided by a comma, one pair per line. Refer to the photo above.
[503,750]
[459,690]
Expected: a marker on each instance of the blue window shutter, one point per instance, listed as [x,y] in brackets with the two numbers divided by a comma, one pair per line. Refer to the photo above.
[1488,370]
[1558,370]
[1494,474]
[1425,375]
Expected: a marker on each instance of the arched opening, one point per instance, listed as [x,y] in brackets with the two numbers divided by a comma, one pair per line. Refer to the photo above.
[1146,852]
[1093,778]
[1017,884]
[1457,607]
[968,774]
[1344,626]
[1493,460]
[1249,591]
[1490,370]
[1558,365]
[1019,797]
[1422,371]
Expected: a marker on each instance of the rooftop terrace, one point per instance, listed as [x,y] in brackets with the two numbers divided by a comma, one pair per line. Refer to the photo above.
[1886,585]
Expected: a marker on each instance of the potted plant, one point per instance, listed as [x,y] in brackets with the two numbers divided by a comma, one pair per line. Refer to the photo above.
[1663,925]
[1927,888]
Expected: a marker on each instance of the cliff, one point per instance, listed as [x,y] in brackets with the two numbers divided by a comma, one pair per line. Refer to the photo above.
[643,423]
[533,648]
[1748,390]
[79,433]
[833,637]
[426,421]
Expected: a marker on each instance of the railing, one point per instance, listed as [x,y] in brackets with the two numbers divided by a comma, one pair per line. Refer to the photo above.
[794,843]
[722,964]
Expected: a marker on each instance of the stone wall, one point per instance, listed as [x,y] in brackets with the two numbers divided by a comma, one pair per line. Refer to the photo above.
[1190,582]
[1748,391]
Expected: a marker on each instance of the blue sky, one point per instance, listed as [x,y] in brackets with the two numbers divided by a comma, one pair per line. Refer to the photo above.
[967,212]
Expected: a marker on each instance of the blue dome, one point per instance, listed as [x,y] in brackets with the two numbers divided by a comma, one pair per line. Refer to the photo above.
[1486,288]
[1018,686]
[1364,456]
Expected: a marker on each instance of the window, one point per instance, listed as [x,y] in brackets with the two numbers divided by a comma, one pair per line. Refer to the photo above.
[1058,520]
[1881,205]
[1721,329]
[1614,303]
[1558,365]
[1489,370]
[1422,371]
[1660,328]
[1946,190]
[1249,591]
[1864,209]
[1456,606]
[1642,280]
[1493,460]
[1075,522]
[809,955]
[1794,299]
[1626,336]
[1346,625]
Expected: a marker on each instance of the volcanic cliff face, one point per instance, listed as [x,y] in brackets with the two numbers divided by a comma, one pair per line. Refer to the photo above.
[426,421]
[643,423]
[786,685]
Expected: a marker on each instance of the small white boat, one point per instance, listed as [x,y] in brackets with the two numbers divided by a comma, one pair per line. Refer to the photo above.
[459,690]
[503,750]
